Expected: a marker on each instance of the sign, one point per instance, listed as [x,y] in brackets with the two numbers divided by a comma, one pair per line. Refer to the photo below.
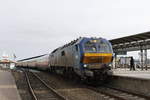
[121,53]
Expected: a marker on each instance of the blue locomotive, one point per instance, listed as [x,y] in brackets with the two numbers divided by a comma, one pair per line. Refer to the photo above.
[85,57]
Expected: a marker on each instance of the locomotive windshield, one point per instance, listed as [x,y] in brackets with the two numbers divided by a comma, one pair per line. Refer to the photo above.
[104,47]
[97,46]
[90,47]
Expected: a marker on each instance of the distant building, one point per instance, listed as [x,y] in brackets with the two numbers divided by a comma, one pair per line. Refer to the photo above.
[5,62]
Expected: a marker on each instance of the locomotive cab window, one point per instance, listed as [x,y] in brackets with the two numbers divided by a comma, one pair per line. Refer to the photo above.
[63,53]
[104,47]
[90,47]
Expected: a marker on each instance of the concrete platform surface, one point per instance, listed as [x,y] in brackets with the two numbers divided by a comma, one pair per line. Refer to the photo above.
[138,73]
[8,89]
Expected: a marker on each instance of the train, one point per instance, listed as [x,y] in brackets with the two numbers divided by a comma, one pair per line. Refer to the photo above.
[88,58]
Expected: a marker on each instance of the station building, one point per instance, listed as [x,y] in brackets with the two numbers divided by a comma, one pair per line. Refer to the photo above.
[5,62]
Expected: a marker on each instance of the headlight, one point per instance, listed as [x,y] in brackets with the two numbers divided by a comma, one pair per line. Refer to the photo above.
[85,65]
[76,56]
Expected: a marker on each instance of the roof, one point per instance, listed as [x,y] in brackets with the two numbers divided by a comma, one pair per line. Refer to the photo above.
[3,61]
[132,38]
[66,45]
[32,57]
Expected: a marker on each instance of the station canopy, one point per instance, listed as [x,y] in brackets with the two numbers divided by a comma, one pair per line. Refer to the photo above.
[131,43]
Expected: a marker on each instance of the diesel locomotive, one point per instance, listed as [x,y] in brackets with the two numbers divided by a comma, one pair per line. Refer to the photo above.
[85,57]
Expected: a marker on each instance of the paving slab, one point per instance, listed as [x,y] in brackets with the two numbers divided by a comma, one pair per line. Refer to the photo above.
[138,73]
[8,89]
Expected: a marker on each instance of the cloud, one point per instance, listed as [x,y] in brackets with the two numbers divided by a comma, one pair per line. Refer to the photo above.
[33,27]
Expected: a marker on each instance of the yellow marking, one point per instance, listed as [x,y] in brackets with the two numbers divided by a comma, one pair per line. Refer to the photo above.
[98,54]
[97,58]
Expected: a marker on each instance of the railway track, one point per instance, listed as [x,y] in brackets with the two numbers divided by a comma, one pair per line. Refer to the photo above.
[118,94]
[106,93]
[129,92]
[39,89]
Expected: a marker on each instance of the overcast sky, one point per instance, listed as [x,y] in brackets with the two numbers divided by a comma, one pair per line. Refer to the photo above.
[33,27]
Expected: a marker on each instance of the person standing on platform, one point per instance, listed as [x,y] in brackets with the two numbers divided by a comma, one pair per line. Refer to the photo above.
[132,67]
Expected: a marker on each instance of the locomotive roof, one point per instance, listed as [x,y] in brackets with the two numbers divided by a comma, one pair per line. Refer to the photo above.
[66,45]
[71,43]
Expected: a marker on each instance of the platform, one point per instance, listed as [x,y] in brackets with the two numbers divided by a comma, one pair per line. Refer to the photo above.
[138,73]
[8,89]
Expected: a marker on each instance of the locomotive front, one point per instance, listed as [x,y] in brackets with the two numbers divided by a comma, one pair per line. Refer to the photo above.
[96,56]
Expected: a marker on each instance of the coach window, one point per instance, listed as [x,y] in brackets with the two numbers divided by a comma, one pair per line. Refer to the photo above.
[63,53]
